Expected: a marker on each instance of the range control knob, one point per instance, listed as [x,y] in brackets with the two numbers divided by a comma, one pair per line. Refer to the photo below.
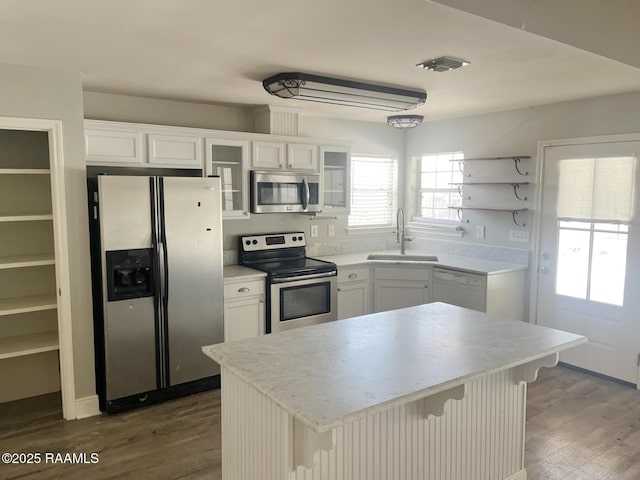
[300,238]
[255,242]
[247,242]
[294,238]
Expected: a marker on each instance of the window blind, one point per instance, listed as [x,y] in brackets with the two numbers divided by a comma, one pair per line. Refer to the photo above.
[596,189]
[374,183]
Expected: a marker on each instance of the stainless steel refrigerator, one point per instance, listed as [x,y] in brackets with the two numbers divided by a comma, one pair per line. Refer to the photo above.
[161,287]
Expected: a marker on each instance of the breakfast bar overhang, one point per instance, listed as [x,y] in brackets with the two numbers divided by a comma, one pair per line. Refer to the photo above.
[427,392]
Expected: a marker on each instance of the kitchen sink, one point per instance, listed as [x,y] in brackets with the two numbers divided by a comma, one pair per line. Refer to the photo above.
[397,257]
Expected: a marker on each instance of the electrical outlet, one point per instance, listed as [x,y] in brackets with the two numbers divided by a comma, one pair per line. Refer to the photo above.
[479,231]
[519,236]
[314,231]
[331,230]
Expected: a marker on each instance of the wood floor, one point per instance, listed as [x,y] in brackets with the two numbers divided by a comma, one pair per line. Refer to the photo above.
[579,427]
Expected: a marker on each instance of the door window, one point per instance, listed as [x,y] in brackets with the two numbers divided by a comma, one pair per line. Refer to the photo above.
[594,208]
[592,261]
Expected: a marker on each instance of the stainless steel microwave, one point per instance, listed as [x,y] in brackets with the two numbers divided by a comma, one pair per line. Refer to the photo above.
[278,192]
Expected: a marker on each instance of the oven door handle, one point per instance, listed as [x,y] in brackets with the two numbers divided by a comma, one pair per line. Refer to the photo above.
[307,195]
[303,277]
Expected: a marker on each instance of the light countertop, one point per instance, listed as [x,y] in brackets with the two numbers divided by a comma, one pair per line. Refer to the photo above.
[330,374]
[458,262]
[239,273]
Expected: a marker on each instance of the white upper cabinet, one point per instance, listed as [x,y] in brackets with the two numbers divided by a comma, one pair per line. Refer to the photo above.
[268,155]
[174,150]
[336,178]
[302,156]
[112,147]
[281,155]
[229,160]
[122,144]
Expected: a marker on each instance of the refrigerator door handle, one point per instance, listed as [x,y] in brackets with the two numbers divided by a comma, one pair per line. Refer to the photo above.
[163,255]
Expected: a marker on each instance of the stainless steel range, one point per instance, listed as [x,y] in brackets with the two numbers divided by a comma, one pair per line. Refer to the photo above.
[301,291]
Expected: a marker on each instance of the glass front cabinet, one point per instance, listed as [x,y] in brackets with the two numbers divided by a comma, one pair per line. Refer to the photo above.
[229,159]
[336,178]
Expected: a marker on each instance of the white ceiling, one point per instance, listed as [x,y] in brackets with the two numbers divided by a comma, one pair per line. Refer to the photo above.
[215,51]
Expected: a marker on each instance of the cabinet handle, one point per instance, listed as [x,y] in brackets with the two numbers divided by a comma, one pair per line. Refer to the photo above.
[339,289]
[262,300]
[426,286]
[353,275]
[243,290]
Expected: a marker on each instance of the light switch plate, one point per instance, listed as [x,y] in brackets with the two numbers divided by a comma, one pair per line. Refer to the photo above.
[519,236]
[331,230]
[314,231]
[479,231]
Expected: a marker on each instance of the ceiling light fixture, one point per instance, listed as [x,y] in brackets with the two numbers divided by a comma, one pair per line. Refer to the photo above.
[316,88]
[443,64]
[404,121]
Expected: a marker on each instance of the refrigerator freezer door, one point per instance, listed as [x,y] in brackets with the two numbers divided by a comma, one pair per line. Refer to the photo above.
[131,348]
[193,243]
[130,351]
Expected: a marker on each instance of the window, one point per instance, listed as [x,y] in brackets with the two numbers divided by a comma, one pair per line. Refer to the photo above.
[436,174]
[374,191]
[594,208]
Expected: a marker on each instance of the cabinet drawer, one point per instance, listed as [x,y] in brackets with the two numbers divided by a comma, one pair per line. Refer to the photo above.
[399,273]
[353,274]
[239,290]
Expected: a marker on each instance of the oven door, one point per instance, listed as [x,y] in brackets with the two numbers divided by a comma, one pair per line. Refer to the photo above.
[284,192]
[302,301]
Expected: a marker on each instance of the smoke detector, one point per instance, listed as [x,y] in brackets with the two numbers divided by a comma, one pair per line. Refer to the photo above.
[443,64]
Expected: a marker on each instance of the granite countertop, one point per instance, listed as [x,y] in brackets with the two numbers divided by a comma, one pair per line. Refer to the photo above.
[238,272]
[330,374]
[458,262]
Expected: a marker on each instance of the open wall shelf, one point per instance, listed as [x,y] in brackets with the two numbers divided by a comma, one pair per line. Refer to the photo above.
[515,158]
[514,212]
[516,186]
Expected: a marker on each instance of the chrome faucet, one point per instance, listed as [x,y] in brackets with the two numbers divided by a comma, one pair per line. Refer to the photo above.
[400,227]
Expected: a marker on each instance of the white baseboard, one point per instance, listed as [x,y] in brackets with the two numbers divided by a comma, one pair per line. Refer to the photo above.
[519,475]
[87,407]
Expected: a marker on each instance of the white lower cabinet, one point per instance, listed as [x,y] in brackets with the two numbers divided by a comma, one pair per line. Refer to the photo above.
[244,309]
[353,292]
[399,287]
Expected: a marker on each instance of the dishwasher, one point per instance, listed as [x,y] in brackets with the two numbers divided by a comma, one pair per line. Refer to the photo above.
[459,288]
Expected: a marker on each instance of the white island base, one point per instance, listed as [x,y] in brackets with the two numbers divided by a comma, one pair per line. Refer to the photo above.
[444,398]
[480,437]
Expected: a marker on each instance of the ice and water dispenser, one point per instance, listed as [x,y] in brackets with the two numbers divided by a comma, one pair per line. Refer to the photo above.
[129,274]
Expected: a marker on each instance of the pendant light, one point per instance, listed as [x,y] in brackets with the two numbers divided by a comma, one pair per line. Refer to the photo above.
[404,121]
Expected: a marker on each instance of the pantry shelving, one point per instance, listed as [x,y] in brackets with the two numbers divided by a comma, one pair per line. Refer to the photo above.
[29,341]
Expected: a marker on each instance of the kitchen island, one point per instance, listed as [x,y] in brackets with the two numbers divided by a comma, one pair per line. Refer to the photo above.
[427,392]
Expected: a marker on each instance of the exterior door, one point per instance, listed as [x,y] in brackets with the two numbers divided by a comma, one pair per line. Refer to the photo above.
[589,252]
